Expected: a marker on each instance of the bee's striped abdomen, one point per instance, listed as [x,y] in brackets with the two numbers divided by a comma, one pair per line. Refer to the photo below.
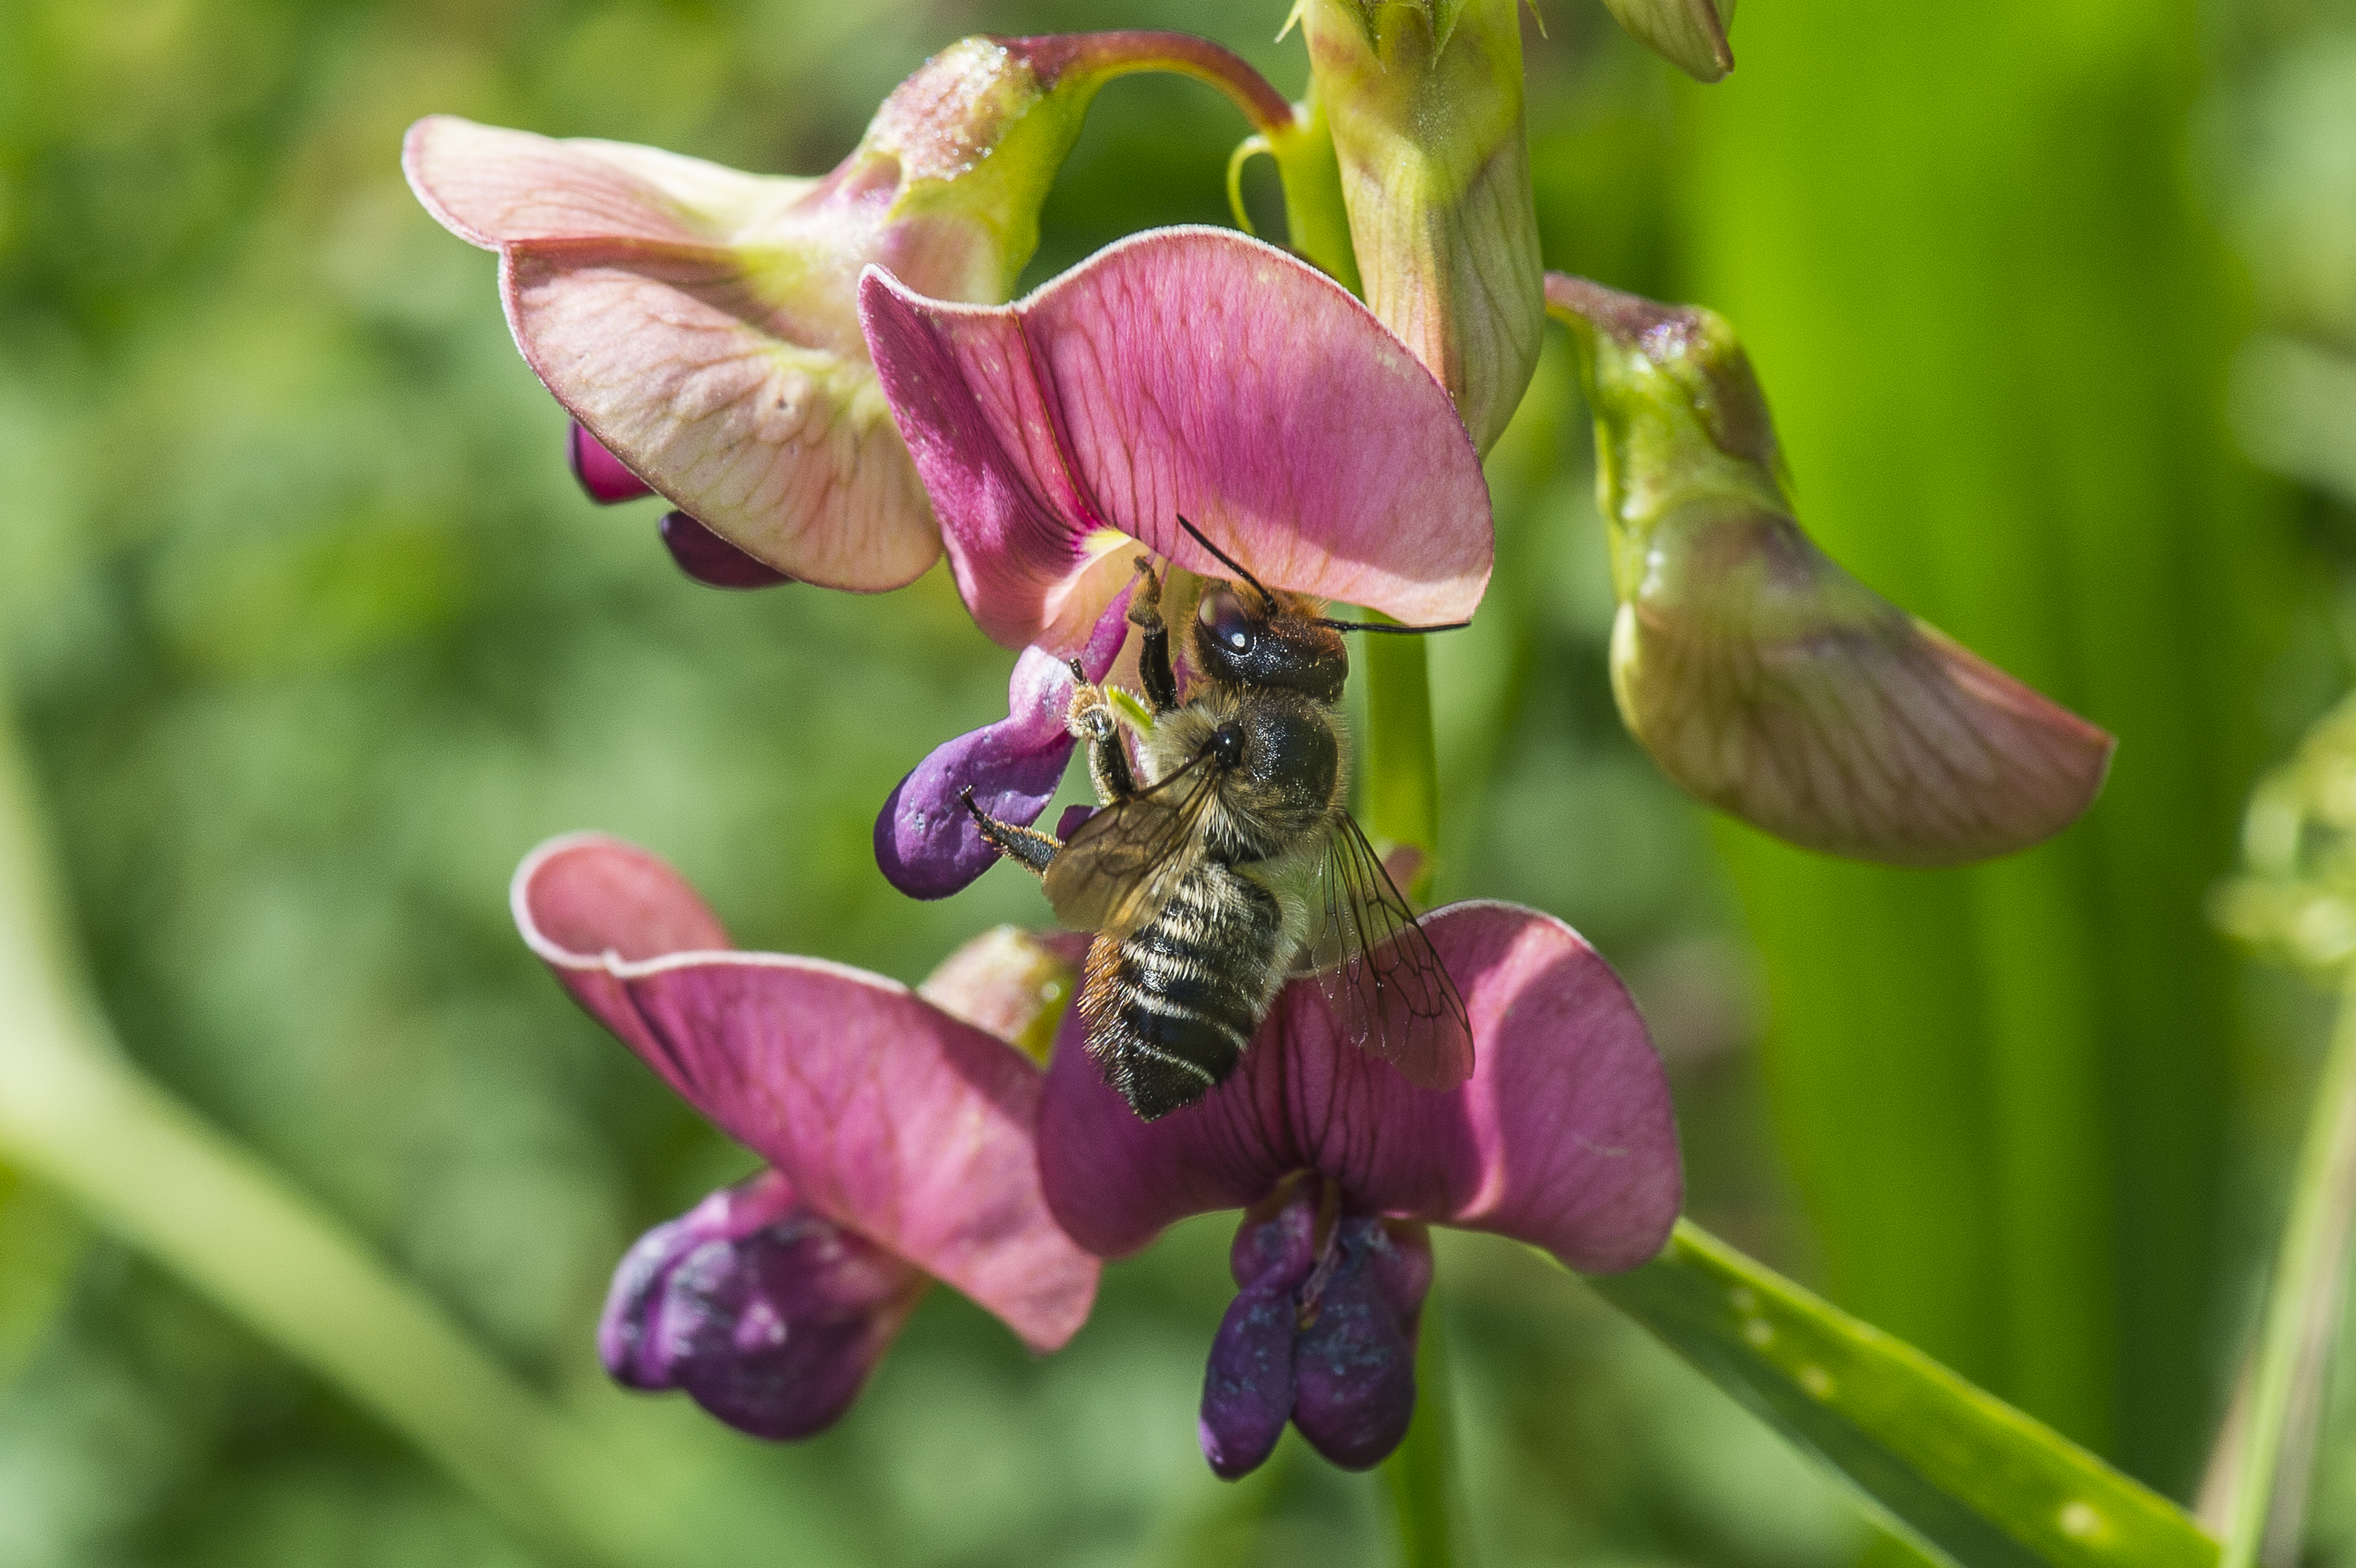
[1172,1006]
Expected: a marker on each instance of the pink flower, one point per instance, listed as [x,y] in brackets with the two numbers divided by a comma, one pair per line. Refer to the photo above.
[1183,372]
[1563,1138]
[900,1143]
[701,324]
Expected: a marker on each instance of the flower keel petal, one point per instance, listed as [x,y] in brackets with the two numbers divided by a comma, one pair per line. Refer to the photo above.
[768,1316]
[1247,1383]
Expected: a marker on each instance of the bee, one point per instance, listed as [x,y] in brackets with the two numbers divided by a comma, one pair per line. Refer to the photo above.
[1234,860]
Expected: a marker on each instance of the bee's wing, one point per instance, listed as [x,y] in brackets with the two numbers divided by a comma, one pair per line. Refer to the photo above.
[1384,982]
[1117,871]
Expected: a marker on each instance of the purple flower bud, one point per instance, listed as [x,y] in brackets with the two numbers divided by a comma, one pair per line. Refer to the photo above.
[711,560]
[601,473]
[767,1315]
[1323,1332]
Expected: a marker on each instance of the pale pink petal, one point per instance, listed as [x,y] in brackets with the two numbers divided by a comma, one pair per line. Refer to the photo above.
[1771,684]
[1564,1136]
[699,324]
[884,1113]
[1184,372]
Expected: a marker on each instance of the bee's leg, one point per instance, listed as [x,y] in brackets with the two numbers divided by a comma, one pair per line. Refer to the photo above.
[1090,719]
[1153,652]
[1026,847]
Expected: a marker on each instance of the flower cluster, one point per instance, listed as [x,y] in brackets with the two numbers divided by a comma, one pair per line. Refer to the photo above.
[822,376]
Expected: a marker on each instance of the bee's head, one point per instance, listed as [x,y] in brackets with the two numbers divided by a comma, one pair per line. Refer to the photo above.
[1252,637]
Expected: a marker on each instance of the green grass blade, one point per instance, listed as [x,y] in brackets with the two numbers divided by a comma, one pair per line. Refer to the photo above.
[1955,1470]
[2271,1469]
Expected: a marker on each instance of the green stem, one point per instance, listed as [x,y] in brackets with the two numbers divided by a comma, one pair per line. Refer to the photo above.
[1317,221]
[77,1115]
[1402,796]
[2271,1471]
[1421,1475]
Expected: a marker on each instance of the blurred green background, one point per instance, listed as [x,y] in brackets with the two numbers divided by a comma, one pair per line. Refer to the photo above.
[311,637]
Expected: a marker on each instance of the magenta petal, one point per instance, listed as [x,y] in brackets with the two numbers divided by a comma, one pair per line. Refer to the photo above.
[768,1316]
[925,840]
[1563,1137]
[711,560]
[1353,1365]
[886,1115]
[1188,371]
[1248,1382]
[604,476]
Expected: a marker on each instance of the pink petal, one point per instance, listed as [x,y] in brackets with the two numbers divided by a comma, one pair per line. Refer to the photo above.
[1563,1137]
[886,1115]
[699,323]
[1188,371]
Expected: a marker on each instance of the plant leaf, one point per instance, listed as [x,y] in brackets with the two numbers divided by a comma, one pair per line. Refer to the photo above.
[1955,1469]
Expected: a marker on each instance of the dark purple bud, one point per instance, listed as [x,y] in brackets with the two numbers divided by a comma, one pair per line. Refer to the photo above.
[1248,1388]
[601,473]
[767,1315]
[711,560]
[1353,1365]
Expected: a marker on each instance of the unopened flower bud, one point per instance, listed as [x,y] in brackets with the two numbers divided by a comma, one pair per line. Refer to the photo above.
[1762,676]
[1689,34]
[767,1315]
[1425,102]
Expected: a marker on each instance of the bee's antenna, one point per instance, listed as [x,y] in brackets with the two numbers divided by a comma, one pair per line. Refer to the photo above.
[1231,563]
[1390,626]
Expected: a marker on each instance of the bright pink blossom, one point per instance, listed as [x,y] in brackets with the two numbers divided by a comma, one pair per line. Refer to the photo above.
[1185,373]
[900,1139]
[1564,1138]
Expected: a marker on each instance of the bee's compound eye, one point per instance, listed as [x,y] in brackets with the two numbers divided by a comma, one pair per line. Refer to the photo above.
[1230,627]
